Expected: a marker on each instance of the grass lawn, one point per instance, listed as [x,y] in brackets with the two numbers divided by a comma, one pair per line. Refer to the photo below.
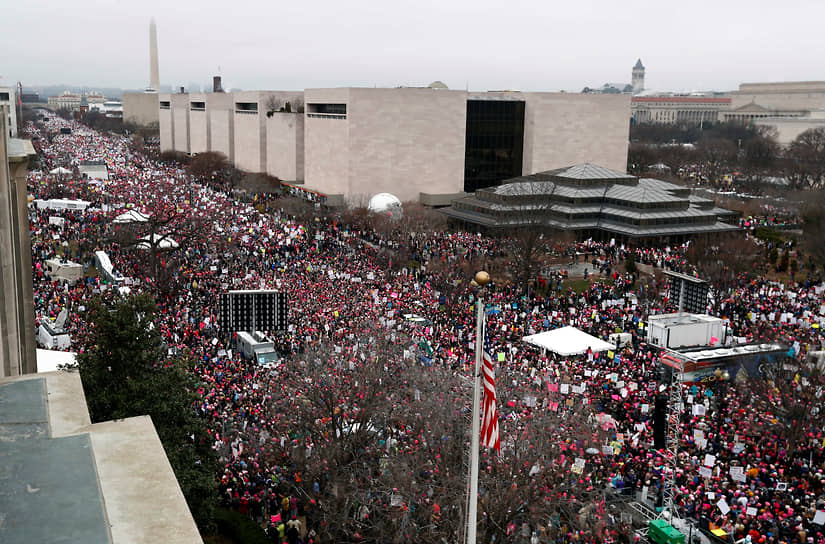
[581,284]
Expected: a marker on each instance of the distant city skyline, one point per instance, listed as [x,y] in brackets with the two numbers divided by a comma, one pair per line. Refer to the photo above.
[527,45]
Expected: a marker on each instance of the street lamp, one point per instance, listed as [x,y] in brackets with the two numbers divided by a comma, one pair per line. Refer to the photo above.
[481,279]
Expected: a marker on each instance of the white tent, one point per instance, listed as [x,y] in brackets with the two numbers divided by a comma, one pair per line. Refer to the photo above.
[64,270]
[95,171]
[567,341]
[160,240]
[47,360]
[132,216]
[60,170]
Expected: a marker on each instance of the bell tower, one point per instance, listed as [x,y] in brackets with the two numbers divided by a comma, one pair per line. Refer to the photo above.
[638,79]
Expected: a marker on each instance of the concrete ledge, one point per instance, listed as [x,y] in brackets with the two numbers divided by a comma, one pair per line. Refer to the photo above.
[144,503]
[65,401]
[127,470]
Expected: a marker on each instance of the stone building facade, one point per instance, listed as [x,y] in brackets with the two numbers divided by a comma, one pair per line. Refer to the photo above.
[424,144]
[17,347]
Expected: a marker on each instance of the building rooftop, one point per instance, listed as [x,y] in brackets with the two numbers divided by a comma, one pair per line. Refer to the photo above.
[64,479]
[590,197]
[682,99]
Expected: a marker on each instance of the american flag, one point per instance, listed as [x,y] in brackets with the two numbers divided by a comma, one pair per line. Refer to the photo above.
[489,414]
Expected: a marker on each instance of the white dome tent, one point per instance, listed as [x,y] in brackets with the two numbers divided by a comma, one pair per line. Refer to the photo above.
[131,216]
[385,204]
[160,241]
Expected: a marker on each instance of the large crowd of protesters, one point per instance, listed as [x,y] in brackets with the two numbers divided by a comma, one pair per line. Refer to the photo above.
[737,471]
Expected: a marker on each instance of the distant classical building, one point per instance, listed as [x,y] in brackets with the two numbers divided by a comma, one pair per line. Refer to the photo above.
[789,127]
[426,144]
[636,85]
[593,202]
[790,96]
[95,97]
[672,109]
[791,107]
[67,100]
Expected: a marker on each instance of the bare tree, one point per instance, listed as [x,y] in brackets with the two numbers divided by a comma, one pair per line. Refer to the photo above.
[260,183]
[529,233]
[376,450]
[273,105]
[808,150]
[788,398]
[536,478]
[154,244]
[386,438]
[813,225]
[718,154]
[761,150]
[209,163]
[721,260]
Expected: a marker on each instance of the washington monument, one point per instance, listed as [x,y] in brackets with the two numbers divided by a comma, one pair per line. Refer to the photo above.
[154,76]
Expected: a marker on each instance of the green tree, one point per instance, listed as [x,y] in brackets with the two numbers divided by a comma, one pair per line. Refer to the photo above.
[125,373]
[630,263]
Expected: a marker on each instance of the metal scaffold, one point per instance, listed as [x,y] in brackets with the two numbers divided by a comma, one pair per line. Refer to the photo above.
[674,414]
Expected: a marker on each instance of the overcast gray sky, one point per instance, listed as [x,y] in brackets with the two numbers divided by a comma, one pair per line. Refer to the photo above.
[483,44]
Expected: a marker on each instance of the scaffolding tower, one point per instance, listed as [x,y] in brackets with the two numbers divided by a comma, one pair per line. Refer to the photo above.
[674,414]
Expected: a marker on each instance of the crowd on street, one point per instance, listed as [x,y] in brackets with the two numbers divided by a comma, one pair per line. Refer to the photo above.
[737,471]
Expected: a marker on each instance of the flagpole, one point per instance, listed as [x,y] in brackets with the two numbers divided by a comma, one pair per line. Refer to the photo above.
[482,278]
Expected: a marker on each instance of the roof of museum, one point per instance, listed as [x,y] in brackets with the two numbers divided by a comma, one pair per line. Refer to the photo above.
[588,196]
[683,99]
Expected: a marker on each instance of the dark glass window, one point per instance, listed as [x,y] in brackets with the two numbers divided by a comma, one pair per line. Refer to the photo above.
[333,109]
[495,142]
[246,107]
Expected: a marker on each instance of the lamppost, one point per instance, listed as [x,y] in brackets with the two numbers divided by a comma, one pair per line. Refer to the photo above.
[481,279]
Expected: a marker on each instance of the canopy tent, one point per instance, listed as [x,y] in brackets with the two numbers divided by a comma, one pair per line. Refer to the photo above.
[132,216]
[64,270]
[94,171]
[48,360]
[60,170]
[567,341]
[160,241]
